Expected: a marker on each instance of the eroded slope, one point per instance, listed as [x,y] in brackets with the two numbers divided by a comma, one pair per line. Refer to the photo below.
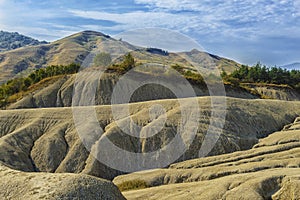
[47,140]
[270,170]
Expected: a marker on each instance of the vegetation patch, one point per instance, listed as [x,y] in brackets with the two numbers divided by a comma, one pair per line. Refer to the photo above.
[127,64]
[262,75]
[14,89]
[132,185]
[192,77]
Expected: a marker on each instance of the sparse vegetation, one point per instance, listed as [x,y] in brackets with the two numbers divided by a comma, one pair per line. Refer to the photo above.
[192,77]
[178,68]
[133,185]
[127,64]
[13,89]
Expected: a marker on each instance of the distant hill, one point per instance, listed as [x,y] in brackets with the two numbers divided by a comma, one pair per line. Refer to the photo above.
[75,48]
[71,49]
[291,66]
[14,40]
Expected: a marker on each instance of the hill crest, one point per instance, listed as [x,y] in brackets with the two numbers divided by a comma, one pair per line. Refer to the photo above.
[15,40]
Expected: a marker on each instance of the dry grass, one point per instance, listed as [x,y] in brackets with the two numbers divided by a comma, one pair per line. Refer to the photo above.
[44,83]
[267,85]
[132,185]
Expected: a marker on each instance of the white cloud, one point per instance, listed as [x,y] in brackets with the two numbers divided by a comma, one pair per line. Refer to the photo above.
[232,17]
[166,39]
[219,19]
[40,33]
[172,4]
[137,19]
[297,7]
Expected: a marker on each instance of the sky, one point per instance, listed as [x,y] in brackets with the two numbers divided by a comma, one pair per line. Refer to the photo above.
[247,31]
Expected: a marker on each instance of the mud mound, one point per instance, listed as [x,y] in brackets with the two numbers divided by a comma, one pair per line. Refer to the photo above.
[268,171]
[46,139]
[23,185]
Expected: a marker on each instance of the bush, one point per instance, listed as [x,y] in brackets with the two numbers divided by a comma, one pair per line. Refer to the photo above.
[127,64]
[297,87]
[193,77]
[178,68]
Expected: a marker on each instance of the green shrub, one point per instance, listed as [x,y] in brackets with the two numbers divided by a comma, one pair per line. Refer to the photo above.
[178,68]
[193,77]
[127,64]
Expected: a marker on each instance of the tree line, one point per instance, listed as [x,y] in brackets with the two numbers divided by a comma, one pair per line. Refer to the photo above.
[263,74]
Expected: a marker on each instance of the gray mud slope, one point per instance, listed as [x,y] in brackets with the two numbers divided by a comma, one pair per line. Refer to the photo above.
[46,140]
[270,170]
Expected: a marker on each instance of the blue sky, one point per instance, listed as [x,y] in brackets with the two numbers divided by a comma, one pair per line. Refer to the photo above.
[244,30]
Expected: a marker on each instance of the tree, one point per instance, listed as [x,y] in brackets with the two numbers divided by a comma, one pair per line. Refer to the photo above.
[259,73]
[128,63]
[27,82]
[241,73]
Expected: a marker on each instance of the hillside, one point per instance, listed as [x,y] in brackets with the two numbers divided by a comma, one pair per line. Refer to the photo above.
[270,170]
[75,48]
[46,139]
[72,49]
[58,91]
[10,41]
[273,91]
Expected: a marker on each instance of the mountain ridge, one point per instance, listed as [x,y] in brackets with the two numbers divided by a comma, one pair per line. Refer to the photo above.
[291,66]
[15,40]
[73,49]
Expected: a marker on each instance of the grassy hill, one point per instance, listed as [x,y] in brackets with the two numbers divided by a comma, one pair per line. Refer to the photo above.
[240,80]
[51,87]
[75,48]
[72,49]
